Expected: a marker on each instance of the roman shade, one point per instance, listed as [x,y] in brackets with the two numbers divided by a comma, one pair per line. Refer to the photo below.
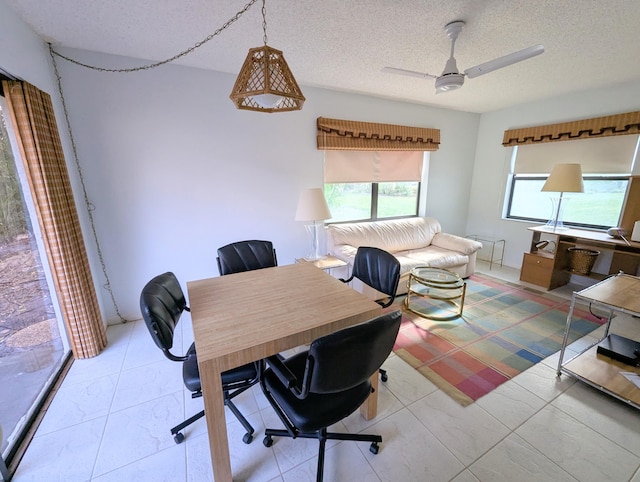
[604,155]
[373,166]
[337,134]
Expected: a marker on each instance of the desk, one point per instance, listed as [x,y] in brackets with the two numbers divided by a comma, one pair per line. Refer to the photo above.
[553,269]
[243,317]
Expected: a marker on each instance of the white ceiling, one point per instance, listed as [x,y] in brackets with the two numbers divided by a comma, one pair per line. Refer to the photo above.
[340,44]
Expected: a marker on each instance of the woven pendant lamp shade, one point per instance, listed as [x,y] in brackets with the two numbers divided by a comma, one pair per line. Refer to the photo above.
[266,84]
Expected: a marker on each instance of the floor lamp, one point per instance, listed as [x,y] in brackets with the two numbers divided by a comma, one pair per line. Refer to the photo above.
[563,178]
[312,206]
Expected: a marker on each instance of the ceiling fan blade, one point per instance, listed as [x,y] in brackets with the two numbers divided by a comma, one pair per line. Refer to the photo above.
[410,73]
[505,61]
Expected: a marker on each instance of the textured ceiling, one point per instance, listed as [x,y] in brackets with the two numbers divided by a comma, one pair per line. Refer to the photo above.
[342,45]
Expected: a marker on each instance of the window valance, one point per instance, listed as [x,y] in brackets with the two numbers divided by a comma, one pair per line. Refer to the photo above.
[613,125]
[337,134]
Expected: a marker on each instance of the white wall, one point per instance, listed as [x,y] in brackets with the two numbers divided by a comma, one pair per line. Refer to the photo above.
[175,171]
[491,164]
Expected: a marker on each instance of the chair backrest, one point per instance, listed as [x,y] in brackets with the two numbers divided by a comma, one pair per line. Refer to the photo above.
[246,256]
[347,358]
[378,269]
[161,303]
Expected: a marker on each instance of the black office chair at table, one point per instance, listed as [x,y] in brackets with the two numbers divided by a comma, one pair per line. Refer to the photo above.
[162,302]
[246,256]
[314,389]
[380,270]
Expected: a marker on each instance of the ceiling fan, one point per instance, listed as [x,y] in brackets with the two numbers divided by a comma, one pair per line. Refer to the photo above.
[451,78]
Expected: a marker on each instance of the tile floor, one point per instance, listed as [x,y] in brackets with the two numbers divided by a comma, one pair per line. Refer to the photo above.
[110,421]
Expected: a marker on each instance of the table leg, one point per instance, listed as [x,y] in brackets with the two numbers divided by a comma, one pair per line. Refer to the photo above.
[216,422]
[369,409]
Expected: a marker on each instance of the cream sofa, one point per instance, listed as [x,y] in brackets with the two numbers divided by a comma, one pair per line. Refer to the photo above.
[413,241]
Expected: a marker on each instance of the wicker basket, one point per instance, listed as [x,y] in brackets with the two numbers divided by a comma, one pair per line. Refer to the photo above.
[582,260]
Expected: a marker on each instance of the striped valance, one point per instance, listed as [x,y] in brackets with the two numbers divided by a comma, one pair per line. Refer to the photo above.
[612,125]
[337,134]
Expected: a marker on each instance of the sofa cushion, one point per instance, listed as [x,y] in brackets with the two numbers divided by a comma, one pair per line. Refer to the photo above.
[430,256]
[393,236]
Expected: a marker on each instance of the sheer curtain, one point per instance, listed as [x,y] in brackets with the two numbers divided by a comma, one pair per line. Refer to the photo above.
[34,122]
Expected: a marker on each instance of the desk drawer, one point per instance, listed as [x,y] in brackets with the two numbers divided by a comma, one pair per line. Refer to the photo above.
[537,270]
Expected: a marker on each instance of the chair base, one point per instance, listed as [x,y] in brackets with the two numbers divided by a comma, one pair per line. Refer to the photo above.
[323,436]
[247,438]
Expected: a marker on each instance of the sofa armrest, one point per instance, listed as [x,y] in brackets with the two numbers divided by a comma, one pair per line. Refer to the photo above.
[456,243]
[344,252]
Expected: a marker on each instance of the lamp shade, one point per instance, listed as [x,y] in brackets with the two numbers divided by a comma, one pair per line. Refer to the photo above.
[564,178]
[265,83]
[312,206]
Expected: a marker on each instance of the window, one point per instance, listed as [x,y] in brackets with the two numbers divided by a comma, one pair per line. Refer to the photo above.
[371,185]
[373,171]
[599,206]
[606,165]
[371,201]
[31,346]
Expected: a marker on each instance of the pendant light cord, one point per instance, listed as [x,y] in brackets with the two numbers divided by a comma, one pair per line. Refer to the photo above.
[264,22]
[179,55]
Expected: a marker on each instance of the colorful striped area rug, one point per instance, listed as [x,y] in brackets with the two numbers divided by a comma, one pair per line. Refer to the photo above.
[505,328]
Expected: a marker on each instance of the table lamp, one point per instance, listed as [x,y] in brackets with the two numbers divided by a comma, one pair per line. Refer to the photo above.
[312,206]
[563,178]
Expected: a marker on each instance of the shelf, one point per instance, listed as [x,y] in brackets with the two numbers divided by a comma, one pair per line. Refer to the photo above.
[617,294]
[603,373]
[592,275]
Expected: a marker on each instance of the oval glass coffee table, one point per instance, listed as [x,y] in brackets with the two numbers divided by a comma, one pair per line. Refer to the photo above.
[435,293]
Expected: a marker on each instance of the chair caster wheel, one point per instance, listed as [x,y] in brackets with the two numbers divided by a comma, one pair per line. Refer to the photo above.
[384,377]
[178,438]
[267,441]
[247,438]
[374,448]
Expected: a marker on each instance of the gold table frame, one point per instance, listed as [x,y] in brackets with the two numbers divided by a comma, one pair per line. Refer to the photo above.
[436,284]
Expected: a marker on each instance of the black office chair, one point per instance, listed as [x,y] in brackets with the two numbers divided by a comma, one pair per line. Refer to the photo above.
[314,389]
[381,271]
[162,302]
[246,256]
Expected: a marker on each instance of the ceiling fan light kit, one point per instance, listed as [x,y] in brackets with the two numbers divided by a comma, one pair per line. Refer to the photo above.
[451,78]
[447,82]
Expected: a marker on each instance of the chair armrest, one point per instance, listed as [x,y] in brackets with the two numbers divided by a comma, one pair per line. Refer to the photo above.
[285,375]
[456,243]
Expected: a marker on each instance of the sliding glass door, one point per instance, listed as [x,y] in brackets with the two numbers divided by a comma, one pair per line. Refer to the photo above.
[32,341]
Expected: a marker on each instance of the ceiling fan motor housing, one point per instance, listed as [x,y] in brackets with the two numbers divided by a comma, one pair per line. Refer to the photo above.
[448,82]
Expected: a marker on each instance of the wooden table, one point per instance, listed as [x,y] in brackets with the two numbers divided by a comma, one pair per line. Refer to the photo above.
[248,316]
